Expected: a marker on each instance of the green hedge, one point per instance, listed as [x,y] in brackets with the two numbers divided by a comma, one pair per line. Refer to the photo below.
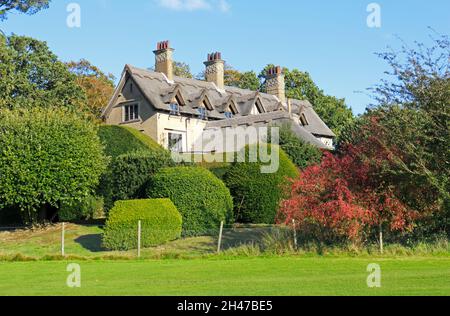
[202,199]
[160,223]
[120,140]
[128,175]
[257,195]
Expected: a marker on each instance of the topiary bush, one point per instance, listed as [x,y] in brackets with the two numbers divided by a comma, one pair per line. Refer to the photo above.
[128,175]
[120,140]
[202,199]
[135,158]
[257,195]
[160,223]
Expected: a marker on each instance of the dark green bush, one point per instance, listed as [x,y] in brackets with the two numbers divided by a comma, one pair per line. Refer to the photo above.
[128,174]
[89,208]
[257,195]
[202,199]
[160,223]
[301,154]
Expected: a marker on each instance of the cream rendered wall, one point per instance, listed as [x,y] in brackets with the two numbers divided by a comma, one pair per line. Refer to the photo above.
[190,128]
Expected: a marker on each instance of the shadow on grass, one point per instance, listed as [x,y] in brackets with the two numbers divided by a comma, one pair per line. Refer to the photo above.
[92,242]
[233,238]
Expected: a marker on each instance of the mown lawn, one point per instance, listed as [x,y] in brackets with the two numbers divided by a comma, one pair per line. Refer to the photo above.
[217,277]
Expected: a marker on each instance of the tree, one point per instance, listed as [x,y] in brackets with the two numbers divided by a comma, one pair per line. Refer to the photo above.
[48,157]
[299,85]
[301,153]
[98,86]
[182,70]
[244,80]
[413,116]
[344,199]
[32,76]
[22,6]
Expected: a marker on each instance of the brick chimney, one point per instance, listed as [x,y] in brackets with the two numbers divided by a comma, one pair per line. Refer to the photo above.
[215,68]
[163,59]
[275,83]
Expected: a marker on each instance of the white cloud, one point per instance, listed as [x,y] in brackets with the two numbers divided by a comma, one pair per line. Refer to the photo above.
[195,5]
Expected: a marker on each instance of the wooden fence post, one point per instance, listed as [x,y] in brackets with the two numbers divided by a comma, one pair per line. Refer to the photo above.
[219,244]
[295,235]
[139,239]
[381,239]
[63,228]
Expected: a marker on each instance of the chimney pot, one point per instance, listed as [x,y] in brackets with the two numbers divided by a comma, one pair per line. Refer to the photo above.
[215,69]
[163,59]
[275,83]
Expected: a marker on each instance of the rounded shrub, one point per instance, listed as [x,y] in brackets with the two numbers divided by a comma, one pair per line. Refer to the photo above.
[202,199]
[160,223]
[128,175]
[256,194]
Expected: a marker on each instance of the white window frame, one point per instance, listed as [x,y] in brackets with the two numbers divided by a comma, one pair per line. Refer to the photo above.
[124,110]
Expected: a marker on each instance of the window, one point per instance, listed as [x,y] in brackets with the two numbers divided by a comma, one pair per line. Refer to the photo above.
[131,112]
[202,113]
[174,109]
[229,115]
[176,142]
[303,120]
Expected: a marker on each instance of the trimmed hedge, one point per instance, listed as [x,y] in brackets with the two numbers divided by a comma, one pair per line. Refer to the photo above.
[202,199]
[128,175]
[160,223]
[257,195]
[135,158]
[120,140]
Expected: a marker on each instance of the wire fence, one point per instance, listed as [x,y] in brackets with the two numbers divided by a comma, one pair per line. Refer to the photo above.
[86,240]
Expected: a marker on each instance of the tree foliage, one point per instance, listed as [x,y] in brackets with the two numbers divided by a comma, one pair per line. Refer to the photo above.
[47,157]
[22,6]
[98,86]
[244,80]
[299,85]
[32,76]
[301,153]
[413,120]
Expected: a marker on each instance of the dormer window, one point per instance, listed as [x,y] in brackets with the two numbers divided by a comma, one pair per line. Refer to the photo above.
[174,109]
[303,120]
[202,115]
[130,113]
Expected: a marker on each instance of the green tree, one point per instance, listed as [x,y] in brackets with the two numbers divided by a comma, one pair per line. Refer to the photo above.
[412,112]
[182,70]
[32,76]
[98,86]
[22,6]
[299,85]
[244,80]
[48,157]
[301,153]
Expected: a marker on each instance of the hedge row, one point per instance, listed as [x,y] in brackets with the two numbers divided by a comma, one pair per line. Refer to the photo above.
[160,223]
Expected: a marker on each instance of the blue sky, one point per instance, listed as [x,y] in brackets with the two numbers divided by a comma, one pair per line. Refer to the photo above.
[329,39]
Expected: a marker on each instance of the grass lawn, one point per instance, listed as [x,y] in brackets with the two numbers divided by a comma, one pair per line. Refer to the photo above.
[244,276]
